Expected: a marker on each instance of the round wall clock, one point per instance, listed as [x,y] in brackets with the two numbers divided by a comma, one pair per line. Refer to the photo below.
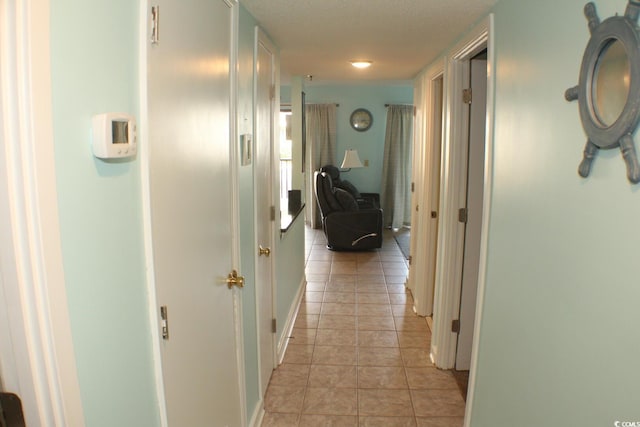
[361,119]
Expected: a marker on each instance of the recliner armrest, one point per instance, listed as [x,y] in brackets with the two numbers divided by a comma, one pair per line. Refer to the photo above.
[363,216]
[374,196]
[369,201]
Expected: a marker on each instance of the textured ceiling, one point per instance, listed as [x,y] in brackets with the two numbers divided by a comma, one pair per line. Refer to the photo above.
[320,37]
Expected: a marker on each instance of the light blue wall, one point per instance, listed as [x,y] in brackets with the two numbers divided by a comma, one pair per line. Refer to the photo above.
[370,144]
[290,246]
[289,271]
[559,340]
[247,211]
[94,70]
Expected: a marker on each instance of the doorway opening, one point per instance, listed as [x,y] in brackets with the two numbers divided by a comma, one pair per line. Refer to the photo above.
[449,300]
[473,207]
[434,200]
[429,101]
[264,175]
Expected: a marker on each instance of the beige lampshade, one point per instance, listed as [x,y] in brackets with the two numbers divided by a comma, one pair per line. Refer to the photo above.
[351,160]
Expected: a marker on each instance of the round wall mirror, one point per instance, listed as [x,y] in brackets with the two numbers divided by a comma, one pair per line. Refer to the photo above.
[611,83]
[608,90]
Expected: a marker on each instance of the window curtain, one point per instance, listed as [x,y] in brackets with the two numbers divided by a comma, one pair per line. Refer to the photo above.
[321,150]
[395,196]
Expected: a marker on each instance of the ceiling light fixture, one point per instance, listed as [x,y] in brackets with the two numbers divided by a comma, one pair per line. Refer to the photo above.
[361,64]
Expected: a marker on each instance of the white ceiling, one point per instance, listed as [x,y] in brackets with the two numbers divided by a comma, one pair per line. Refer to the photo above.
[320,37]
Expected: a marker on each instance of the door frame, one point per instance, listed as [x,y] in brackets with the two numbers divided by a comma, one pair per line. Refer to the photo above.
[453,196]
[143,153]
[145,190]
[261,37]
[421,275]
[417,170]
[486,211]
[41,360]
[474,199]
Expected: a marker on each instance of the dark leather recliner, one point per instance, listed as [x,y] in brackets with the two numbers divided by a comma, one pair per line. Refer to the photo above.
[365,200]
[346,225]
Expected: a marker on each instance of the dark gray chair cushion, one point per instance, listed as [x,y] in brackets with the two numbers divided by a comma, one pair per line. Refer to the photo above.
[346,185]
[346,200]
[328,202]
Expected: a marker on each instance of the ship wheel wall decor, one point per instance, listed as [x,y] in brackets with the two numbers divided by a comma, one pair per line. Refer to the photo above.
[608,90]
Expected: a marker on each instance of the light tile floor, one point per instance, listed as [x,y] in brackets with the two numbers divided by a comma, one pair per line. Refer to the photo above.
[358,355]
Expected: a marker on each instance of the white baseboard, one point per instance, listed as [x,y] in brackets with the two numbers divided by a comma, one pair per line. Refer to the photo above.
[258,415]
[291,318]
[430,323]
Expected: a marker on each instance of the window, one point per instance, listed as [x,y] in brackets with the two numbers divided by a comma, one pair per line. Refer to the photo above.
[286,160]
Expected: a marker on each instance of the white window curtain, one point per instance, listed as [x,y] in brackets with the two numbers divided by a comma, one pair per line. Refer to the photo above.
[395,196]
[321,150]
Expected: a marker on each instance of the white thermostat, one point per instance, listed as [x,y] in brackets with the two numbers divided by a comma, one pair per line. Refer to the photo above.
[114,135]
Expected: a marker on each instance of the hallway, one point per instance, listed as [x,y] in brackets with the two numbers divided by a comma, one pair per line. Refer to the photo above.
[358,356]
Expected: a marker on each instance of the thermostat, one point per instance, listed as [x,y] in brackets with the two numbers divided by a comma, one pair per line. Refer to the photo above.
[114,135]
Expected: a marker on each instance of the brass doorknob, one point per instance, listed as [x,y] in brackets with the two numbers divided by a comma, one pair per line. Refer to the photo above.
[234,280]
[264,251]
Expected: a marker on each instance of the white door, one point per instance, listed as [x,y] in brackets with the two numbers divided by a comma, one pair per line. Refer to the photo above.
[190,206]
[264,200]
[475,185]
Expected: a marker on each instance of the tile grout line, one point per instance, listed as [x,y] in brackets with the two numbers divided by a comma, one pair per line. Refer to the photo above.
[406,375]
[304,394]
[404,366]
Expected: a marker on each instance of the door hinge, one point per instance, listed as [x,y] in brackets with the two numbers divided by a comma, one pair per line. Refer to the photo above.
[434,214]
[272,92]
[463,215]
[272,213]
[417,208]
[273,325]
[410,258]
[467,96]
[413,187]
[164,322]
[155,24]
[455,326]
